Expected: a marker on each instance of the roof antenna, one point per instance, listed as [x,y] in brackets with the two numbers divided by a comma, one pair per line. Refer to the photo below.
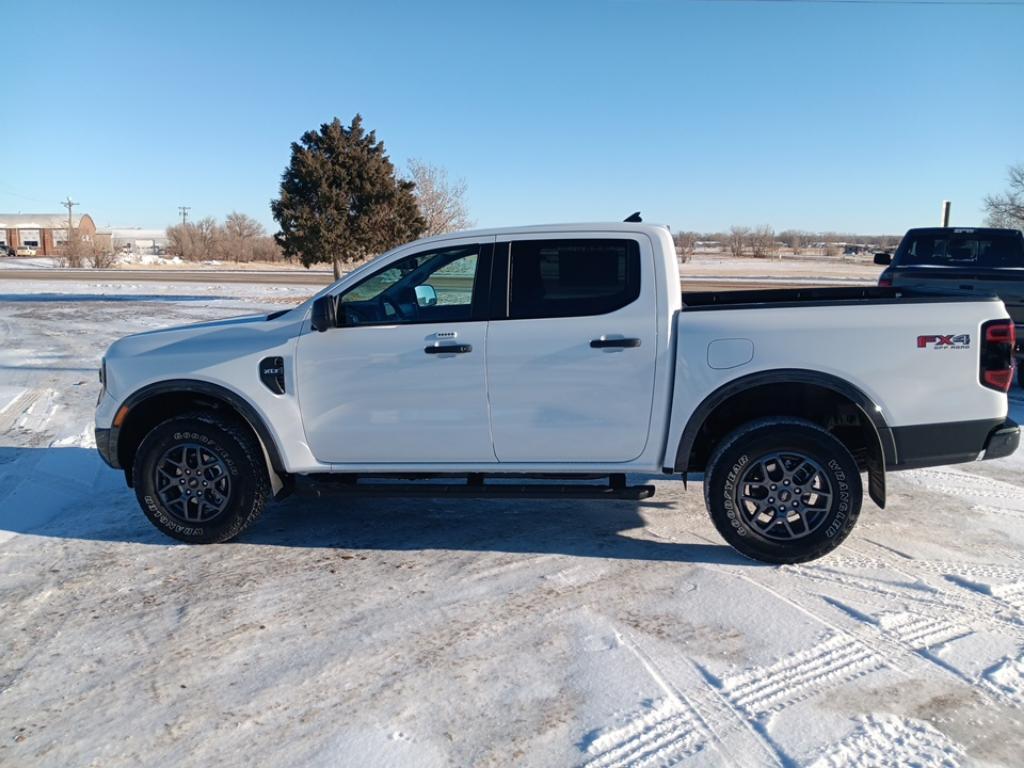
[633,218]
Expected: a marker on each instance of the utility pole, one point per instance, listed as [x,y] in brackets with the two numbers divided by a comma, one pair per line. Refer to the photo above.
[183,210]
[945,213]
[69,204]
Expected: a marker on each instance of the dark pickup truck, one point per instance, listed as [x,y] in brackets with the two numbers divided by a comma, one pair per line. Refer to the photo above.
[964,260]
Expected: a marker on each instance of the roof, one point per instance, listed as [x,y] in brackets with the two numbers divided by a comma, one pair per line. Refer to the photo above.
[533,229]
[37,220]
[964,231]
[137,233]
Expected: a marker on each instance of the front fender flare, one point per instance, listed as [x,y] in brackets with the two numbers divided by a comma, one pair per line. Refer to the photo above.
[268,445]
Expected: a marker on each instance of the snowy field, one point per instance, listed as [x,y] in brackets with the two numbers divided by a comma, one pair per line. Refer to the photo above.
[468,633]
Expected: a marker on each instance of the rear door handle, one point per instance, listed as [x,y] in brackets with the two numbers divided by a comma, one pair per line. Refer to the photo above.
[449,349]
[611,343]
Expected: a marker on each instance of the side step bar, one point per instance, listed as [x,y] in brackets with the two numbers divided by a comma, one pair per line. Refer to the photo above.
[476,488]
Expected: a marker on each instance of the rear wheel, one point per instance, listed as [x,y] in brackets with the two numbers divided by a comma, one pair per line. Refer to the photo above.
[200,478]
[783,490]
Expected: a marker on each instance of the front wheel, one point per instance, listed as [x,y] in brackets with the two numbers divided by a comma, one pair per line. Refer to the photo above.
[783,490]
[200,478]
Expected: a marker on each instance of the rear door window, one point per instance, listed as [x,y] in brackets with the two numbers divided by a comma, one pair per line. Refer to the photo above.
[571,278]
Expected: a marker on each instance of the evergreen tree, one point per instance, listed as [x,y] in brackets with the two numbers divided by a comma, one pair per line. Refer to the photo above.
[341,200]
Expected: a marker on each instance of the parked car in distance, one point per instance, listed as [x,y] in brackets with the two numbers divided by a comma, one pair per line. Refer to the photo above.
[975,261]
[25,250]
[6,250]
[462,365]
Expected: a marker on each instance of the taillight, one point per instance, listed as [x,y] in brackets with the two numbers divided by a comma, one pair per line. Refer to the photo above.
[998,338]
[885,280]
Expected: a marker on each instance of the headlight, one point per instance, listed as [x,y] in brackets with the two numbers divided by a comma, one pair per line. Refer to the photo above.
[103,380]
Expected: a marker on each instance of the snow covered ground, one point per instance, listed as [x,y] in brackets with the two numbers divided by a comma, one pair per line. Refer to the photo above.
[434,633]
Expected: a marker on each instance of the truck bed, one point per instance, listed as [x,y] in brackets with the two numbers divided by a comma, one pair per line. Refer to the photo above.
[804,297]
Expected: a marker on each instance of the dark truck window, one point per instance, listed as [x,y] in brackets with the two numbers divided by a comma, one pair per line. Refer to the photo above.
[566,278]
[970,248]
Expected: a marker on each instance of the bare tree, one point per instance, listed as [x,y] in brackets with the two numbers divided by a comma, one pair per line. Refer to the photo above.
[794,239]
[266,249]
[1007,209]
[79,250]
[195,241]
[762,242]
[686,243]
[442,203]
[737,240]
[240,233]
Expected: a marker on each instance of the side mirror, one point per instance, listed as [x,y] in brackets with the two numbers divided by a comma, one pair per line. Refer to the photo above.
[325,313]
[883,259]
[426,296]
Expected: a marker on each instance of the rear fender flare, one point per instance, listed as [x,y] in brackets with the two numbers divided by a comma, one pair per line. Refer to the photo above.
[885,453]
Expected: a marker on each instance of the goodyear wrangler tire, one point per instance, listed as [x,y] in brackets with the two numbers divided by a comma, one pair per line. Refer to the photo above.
[200,478]
[783,490]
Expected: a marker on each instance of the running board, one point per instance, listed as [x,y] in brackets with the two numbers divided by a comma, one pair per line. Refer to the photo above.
[495,491]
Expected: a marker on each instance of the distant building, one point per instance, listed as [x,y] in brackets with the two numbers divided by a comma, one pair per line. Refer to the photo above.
[45,232]
[138,240]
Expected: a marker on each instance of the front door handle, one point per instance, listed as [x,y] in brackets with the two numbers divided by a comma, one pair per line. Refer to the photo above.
[613,343]
[449,349]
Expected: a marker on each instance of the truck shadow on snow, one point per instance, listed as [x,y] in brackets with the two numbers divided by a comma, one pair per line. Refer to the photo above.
[68,493]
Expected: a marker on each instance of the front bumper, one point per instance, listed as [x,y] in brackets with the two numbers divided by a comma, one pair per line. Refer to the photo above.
[106,444]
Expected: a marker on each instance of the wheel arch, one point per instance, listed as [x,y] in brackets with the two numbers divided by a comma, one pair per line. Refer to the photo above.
[151,404]
[792,392]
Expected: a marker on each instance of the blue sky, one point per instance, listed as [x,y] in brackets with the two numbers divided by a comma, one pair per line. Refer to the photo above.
[848,117]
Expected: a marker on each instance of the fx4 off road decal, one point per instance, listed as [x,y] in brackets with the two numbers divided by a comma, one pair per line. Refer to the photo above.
[945,341]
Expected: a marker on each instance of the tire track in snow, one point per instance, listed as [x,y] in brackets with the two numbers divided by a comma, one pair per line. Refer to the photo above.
[16,408]
[1001,585]
[966,485]
[1006,677]
[30,412]
[668,732]
[929,599]
[887,740]
[801,675]
[691,717]
[900,641]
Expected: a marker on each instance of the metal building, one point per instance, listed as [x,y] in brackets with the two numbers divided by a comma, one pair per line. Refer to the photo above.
[42,232]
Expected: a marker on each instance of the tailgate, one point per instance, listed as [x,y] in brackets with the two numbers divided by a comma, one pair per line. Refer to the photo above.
[1007,284]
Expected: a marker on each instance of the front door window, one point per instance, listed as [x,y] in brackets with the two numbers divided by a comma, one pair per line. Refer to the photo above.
[430,287]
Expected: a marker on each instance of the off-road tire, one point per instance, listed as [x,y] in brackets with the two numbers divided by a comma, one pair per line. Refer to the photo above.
[240,456]
[749,444]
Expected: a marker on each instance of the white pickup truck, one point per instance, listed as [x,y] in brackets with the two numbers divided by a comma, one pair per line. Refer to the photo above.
[534,362]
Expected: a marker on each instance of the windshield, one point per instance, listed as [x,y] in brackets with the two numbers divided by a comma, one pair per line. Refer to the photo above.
[971,248]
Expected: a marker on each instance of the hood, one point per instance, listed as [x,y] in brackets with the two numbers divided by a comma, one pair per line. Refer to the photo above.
[240,320]
[209,337]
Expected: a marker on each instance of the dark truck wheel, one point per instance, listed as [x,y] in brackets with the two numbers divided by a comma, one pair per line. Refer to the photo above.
[200,478]
[783,490]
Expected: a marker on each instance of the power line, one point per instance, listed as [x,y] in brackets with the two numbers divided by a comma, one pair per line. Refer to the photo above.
[5,190]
